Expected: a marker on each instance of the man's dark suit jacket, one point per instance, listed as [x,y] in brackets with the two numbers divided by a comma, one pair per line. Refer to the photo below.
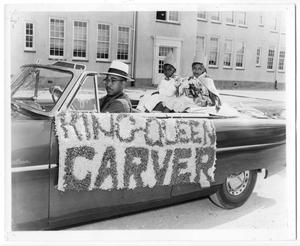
[119,103]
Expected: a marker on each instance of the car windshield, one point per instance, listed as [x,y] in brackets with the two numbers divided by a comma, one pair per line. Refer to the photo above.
[39,87]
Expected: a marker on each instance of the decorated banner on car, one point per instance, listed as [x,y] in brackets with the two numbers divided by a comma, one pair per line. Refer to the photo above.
[125,151]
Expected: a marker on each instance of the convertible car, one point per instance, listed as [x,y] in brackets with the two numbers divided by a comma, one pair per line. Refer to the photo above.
[247,144]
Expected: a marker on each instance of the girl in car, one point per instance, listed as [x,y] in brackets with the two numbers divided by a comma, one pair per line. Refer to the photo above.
[169,97]
[201,86]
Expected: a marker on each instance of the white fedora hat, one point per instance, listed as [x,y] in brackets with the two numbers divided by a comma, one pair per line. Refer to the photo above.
[170,60]
[118,68]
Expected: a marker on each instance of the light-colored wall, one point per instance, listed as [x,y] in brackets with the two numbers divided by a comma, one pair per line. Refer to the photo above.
[148,27]
[253,36]
[41,21]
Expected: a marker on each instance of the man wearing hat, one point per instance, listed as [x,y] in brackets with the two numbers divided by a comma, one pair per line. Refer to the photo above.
[116,101]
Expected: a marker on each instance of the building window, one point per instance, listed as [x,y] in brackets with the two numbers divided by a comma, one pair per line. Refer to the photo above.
[260,20]
[281,61]
[162,53]
[227,53]
[215,17]
[169,16]
[241,18]
[200,45]
[161,15]
[80,39]
[201,15]
[160,66]
[103,42]
[173,16]
[240,53]
[271,54]
[29,36]
[214,51]
[229,17]
[123,43]
[57,37]
[258,56]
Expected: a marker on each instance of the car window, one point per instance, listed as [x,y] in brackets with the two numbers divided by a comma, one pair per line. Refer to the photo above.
[40,88]
[85,98]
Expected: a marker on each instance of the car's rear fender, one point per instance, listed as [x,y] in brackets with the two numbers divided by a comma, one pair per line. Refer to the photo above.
[249,145]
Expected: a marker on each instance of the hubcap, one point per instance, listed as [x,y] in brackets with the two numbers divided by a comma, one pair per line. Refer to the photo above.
[237,183]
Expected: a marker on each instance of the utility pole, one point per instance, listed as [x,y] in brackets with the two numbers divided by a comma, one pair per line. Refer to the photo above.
[278,52]
[134,44]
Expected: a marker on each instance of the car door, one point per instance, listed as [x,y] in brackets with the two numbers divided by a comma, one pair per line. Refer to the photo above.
[71,207]
[30,173]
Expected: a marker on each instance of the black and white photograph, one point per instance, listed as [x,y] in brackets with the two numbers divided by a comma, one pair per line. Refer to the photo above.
[133,123]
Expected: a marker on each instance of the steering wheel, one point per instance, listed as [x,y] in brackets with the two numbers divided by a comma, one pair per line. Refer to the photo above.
[55,92]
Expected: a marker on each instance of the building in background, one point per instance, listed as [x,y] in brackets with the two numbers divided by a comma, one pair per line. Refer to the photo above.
[242,49]
[93,39]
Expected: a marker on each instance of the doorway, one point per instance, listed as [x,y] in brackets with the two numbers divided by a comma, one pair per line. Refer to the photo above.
[162,46]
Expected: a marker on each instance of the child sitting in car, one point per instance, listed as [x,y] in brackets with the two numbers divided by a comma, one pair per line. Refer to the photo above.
[169,97]
[201,86]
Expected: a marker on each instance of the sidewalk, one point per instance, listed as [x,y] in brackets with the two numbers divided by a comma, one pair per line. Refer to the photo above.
[276,95]
[272,103]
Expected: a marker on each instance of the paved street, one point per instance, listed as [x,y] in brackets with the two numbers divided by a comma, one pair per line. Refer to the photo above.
[265,210]
[270,102]
[276,95]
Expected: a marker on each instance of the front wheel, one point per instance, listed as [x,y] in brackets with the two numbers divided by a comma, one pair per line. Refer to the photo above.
[236,190]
